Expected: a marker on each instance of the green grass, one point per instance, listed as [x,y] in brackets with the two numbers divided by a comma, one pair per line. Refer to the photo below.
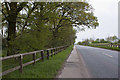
[11,63]
[4,52]
[46,69]
[105,47]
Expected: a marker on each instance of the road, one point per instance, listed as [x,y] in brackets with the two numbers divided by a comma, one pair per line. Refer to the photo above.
[101,63]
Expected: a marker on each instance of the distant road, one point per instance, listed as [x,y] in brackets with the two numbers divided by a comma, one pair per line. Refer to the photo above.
[101,63]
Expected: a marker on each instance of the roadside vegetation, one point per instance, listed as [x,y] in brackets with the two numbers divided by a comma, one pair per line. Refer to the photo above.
[106,47]
[103,43]
[47,69]
[31,26]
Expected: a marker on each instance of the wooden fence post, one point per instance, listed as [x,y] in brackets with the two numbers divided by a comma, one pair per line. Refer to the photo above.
[48,54]
[20,57]
[34,58]
[54,51]
[20,62]
[58,49]
[42,55]
[63,48]
[51,53]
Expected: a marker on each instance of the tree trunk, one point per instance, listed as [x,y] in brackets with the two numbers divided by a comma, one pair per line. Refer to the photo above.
[11,28]
[11,37]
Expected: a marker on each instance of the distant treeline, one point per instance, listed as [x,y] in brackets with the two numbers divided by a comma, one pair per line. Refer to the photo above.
[111,40]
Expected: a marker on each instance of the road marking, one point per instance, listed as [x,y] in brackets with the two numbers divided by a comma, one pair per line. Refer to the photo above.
[108,55]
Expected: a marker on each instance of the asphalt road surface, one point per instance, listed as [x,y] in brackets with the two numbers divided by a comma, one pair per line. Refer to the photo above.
[101,63]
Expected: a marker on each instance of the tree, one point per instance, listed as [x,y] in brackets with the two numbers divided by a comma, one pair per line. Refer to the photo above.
[37,25]
[102,41]
[97,40]
[74,14]
[80,43]
[119,41]
[114,38]
[10,12]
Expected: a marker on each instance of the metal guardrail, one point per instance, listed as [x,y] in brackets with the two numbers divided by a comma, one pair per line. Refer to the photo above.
[50,52]
[108,45]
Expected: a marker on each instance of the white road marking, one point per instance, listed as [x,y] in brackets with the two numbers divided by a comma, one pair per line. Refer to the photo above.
[108,55]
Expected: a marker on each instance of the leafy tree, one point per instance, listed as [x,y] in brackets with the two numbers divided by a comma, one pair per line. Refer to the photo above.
[79,43]
[74,14]
[10,12]
[96,41]
[38,25]
[114,38]
[102,40]
[119,41]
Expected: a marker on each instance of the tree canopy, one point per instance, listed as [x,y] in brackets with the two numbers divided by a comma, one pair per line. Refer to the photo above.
[32,26]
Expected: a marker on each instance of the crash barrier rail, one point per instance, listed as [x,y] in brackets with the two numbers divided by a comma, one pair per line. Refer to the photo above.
[108,45]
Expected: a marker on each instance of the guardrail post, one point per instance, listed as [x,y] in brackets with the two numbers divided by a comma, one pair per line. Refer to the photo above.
[34,58]
[42,55]
[20,62]
[48,54]
[118,46]
[109,45]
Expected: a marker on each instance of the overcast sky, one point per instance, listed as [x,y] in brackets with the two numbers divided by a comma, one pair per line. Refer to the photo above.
[107,13]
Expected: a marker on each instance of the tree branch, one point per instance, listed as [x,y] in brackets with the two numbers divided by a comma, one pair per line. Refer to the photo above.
[4,15]
[34,7]
[21,6]
[6,5]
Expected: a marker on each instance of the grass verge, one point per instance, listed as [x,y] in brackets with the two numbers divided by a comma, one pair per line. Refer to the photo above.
[47,69]
[105,47]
